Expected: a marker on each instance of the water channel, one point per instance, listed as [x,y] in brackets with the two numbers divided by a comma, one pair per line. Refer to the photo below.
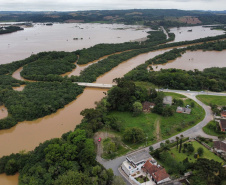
[28,134]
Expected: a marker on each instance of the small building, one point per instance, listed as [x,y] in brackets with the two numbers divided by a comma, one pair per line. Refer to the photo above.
[223,114]
[184,110]
[147,106]
[157,173]
[135,161]
[219,146]
[167,100]
[222,124]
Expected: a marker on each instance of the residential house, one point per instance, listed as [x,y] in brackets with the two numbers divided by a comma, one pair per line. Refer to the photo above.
[135,161]
[167,100]
[147,106]
[223,114]
[219,146]
[222,124]
[184,110]
[157,173]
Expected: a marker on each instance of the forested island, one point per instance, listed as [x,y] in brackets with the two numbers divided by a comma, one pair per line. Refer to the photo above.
[9,29]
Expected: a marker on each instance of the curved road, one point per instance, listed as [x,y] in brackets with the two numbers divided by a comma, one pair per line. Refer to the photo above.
[192,132]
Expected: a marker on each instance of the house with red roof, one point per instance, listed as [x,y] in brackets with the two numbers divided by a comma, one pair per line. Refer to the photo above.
[223,114]
[157,173]
[222,124]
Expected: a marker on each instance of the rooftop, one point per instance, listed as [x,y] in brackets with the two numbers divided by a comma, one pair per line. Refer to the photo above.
[219,145]
[141,155]
[223,123]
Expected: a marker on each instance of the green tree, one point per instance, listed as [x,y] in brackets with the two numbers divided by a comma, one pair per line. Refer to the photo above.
[118,180]
[72,178]
[177,138]
[151,148]
[200,151]
[11,167]
[134,134]
[137,108]
[190,148]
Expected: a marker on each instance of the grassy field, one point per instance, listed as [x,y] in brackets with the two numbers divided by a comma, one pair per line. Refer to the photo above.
[210,129]
[147,85]
[157,127]
[207,154]
[209,99]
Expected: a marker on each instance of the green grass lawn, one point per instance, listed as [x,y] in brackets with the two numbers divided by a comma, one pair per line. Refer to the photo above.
[169,126]
[210,129]
[147,85]
[209,99]
[174,95]
[207,154]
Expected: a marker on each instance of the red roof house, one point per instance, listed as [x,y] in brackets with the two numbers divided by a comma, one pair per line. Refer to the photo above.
[160,175]
[147,106]
[157,173]
[222,124]
[223,114]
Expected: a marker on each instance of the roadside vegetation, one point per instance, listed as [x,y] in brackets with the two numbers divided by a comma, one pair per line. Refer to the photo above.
[212,100]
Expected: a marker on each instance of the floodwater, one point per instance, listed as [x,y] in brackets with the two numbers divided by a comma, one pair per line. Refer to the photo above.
[20,88]
[28,134]
[182,33]
[9,180]
[60,37]
[196,60]
[3,112]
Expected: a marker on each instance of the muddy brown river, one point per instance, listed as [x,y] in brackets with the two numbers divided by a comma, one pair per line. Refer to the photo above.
[196,60]
[28,134]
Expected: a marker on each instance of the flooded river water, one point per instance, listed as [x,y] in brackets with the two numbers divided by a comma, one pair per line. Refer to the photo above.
[28,134]
[196,60]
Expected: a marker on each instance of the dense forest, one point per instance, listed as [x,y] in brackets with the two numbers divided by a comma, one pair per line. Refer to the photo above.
[53,63]
[38,99]
[9,29]
[68,160]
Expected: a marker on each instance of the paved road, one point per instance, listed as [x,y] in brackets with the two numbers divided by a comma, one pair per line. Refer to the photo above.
[192,132]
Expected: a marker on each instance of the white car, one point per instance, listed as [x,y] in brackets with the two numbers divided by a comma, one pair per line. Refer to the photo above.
[188,90]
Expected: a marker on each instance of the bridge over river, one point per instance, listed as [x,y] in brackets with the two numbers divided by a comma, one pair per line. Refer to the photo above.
[96,85]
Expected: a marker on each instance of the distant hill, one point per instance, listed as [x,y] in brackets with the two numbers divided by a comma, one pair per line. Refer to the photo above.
[149,17]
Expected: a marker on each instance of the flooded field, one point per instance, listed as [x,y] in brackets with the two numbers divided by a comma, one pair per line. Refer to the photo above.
[64,37]
[196,32]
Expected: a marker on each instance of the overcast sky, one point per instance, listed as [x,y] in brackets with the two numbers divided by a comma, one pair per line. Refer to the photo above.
[74,5]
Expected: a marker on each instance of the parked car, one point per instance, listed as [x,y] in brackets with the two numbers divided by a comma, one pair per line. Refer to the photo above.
[99,140]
